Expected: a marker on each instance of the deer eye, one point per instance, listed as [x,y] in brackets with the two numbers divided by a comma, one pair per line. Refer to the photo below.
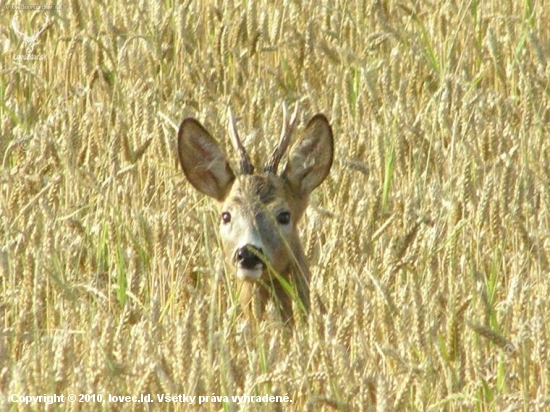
[226,217]
[283,218]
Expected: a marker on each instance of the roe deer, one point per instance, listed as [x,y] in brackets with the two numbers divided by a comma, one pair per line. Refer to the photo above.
[259,211]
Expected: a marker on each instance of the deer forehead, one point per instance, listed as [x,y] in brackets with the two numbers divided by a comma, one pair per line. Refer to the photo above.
[257,191]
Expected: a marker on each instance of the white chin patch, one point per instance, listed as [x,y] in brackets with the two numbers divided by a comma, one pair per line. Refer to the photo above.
[249,274]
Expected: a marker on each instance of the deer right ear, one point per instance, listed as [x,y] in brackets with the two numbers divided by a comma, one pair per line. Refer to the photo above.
[203,162]
[310,158]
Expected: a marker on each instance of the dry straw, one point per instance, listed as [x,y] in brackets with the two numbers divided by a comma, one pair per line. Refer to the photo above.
[435,215]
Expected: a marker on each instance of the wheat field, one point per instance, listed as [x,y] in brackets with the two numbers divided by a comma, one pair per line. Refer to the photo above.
[429,243]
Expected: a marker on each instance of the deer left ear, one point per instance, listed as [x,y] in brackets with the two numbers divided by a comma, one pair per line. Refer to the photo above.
[310,158]
[203,161]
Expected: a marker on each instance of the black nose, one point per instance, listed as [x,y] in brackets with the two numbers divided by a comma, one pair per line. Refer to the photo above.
[248,256]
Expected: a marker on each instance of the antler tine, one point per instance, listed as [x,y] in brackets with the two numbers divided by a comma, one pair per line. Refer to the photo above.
[244,160]
[284,141]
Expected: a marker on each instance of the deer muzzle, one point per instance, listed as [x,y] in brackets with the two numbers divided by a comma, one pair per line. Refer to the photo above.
[249,261]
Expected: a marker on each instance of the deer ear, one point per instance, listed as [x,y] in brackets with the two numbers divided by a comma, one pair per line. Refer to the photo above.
[310,158]
[203,162]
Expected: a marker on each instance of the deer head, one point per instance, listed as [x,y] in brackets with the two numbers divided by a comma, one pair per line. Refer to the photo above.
[30,40]
[260,210]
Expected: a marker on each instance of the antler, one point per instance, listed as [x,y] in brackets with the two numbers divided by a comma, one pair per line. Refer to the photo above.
[284,141]
[15,27]
[35,35]
[244,160]
[25,36]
